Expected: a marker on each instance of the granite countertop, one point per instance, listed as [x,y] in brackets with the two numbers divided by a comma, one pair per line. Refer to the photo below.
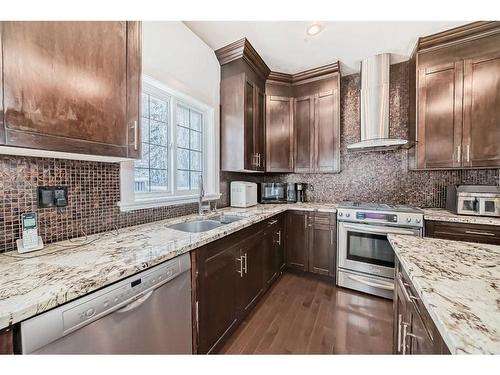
[459,284]
[440,214]
[35,282]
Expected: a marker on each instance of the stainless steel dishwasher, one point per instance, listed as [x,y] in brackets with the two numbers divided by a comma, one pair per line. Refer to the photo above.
[148,313]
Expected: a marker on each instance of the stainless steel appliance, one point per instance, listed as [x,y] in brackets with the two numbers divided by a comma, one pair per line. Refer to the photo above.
[478,200]
[365,258]
[301,190]
[273,192]
[291,192]
[148,313]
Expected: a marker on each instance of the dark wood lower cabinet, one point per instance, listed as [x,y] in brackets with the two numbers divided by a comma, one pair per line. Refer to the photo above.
[297,240]
[6,341]
[489,234]
[230,276]
[414,330]
[311,242]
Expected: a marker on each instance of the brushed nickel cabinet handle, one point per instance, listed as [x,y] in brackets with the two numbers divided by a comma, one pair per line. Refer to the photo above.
[136,134]
[272,222]
[246,263]
[400,320]
[405,327]
[459,156]
[331,236]
[468,153]
[480,233]
[279,237]
[240,259]
[305,221]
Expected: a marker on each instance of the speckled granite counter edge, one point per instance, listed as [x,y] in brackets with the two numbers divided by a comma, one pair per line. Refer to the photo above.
[8,318]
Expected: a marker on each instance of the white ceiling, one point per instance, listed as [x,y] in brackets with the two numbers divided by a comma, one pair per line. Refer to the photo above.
[286,48]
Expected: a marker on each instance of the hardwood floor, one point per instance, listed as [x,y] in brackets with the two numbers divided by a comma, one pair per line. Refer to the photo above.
[303,315]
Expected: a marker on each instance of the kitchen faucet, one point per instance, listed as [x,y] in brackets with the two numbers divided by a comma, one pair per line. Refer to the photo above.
[202,207]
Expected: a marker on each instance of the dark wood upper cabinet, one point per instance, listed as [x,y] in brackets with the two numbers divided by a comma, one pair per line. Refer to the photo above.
[458,98]
[440,116]
[316,121]
[242,112]
[279,134]
[72,87]
[327,132]
[304,141]
[481,131]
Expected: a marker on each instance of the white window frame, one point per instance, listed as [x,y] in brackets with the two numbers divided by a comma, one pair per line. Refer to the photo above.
[131,200]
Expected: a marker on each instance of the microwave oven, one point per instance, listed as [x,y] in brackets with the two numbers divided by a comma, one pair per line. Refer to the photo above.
[277,192]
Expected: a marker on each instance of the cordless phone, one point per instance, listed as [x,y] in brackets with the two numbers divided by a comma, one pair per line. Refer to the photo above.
[30,240]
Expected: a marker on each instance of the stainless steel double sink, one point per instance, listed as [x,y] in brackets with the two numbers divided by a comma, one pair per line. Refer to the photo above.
[204,225]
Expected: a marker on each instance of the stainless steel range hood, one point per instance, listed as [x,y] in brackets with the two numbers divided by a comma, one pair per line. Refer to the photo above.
[375,106]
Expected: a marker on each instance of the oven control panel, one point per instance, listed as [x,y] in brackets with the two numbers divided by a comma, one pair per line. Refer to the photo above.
[408,219]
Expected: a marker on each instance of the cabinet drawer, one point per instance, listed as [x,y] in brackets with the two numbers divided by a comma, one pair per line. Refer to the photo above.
[489,234]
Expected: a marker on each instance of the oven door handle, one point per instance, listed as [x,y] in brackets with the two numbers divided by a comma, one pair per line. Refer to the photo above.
[386,230]
[370,283]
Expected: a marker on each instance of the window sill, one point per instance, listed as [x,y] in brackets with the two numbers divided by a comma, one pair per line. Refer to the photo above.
[163,202]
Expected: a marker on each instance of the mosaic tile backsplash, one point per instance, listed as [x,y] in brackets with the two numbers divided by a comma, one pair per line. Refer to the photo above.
[94,188]
[374,176]
[93,194]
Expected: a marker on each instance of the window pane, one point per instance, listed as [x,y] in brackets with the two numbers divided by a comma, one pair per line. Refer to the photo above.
[182,159]
[158,109]
[183,180]
[145,129]
[195,141]
[145,105]
[195,180]
[141,180]
[144,162]
[159,157]
[195,161]
[196,120]
[182,116]
[159,180]
[182,137]
[158,133]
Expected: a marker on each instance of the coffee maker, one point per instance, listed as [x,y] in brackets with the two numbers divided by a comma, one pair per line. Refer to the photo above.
[300,190]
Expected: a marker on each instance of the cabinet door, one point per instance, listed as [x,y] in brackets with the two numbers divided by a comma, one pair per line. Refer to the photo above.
[322,246]
[419,339]
[217,293]
[66,88]
[279,134]
[489,234]
[327,132]
[249,145]
[297,240]
[304,134]
[260,129]
[401,319]
[270,254]
[481,138]
[251,283]
[440,116]
[2,125]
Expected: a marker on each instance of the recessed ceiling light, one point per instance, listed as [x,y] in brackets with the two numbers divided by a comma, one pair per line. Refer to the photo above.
[314,29]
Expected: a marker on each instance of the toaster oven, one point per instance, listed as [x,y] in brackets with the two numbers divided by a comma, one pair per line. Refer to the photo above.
[477,200]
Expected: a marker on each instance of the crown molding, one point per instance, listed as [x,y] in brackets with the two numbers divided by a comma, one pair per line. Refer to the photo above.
[242,49]
[458,34]
[305,76]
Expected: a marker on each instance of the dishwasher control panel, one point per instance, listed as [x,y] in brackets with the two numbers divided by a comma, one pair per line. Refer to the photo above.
[134,288]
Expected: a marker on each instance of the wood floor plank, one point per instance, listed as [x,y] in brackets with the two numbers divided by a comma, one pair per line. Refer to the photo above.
[303,315]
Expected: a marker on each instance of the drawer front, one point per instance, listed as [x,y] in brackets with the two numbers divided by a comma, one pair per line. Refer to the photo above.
[489,234]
